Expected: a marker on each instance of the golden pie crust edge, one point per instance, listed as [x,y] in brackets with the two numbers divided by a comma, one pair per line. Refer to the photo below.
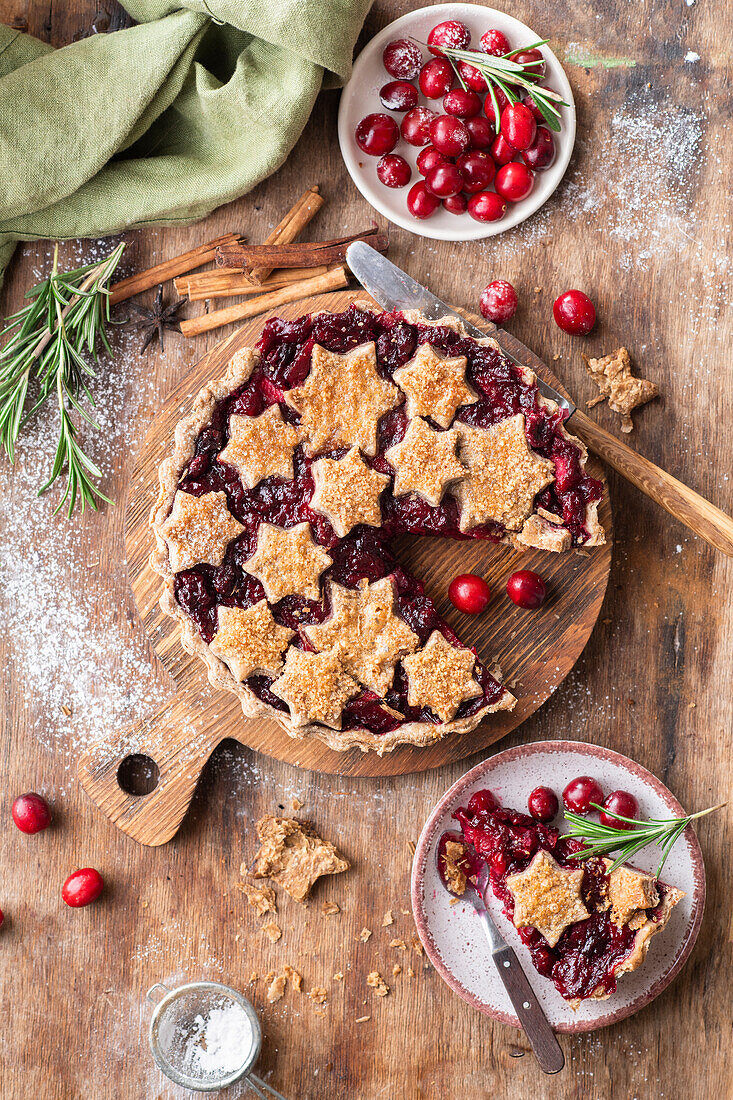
[187,431]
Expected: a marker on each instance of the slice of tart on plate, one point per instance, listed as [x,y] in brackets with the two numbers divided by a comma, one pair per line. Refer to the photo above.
[288,481]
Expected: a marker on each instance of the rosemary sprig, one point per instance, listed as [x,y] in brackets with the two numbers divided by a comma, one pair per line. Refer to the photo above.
[509,76]
[51,340]
[627,842]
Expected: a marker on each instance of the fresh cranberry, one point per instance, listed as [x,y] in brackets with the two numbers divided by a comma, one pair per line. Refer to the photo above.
[82,888]
[477,169]
[469,593]
[526,589]
[415,127]
[502,151]
[402,59]
[487,206]
[456,204]
[473,78]
[481,132]
[534,61]
[482,802]
[420,202]
[31,813]
[428,158]
[450,34]
[541,152]
[579,794]
[394,171]
[494,42]
[499,302]
[514,181]
[449,135]
[444,180]
[501,102]
[619,802]
[462,104]
[529,102]
[436,77]
[398,95]
[518,126]
[574,313]
[377,134]
[543,804]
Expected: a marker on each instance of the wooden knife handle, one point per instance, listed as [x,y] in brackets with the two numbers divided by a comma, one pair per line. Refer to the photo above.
[684,504]
[531,1015]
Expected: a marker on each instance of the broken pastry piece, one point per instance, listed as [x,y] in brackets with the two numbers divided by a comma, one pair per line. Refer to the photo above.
[261,897]
[294,856]
[613,376]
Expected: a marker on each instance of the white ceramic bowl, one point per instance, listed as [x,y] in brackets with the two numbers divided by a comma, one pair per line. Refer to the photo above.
[360,97]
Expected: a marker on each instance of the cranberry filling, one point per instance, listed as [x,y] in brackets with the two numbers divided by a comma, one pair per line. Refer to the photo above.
[285,348]
[587,954]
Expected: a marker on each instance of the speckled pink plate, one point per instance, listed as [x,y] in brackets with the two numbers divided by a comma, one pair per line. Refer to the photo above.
[452,935]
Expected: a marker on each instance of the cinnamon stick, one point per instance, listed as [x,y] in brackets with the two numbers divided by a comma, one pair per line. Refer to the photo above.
[294,222]
[230,283]
[177,265]
[308,254]
[334,279]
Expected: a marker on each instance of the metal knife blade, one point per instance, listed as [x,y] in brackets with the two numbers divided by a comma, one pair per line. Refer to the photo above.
[394,289]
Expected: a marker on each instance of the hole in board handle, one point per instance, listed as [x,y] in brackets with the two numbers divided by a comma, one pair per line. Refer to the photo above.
[138,775]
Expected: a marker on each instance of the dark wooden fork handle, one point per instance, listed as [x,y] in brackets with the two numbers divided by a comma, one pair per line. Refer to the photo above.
[531,1015]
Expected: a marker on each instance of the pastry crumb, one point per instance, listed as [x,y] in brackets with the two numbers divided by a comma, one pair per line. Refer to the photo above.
[254,977]
[296,804]
[293,855]
[613,375]
[396,969]
[262,898]
[276,988]
[329,908]
[417,946]
[318,994]
[294,977]
[272,931]
[387,919]
[338,976]
[410,972]
[398,943]
[362,1019]
[364,935]
[376,982]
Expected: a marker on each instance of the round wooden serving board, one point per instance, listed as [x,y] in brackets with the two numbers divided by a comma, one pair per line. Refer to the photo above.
[535,649]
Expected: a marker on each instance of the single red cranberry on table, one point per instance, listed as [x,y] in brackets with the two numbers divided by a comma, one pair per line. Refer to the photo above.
[574,312]
[450,33]
[31,813]
[477,169]
[526,589]
[529,102]
[428,158]
[456,204]
[420,202]
[619,802]
[473,78]
[514,181]
[481,132]
[436,77]
[469,593]
[415,127]
[579,794]
[502,151]
[402,59]
[494,42]
[518,126]
[482,802]
[444,180]
[82,887]
[534,61]
[394,171]
[486,206]
[541,152]
[543,804]
[499,301]
[501,102]
[449,135]
[398,95]
[377,134]
[461,104]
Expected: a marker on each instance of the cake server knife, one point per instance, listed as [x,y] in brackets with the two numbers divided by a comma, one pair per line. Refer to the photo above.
[393,288]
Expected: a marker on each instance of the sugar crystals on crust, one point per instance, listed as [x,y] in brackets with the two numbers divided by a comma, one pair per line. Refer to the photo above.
[435,386]
[547,897]
[249,641]
[425,461]
[440,676]
[260,446]
[288,562]
[315,686]
[199,530]
[347,491]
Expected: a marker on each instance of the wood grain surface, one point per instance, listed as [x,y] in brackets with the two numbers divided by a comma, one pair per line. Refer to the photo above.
[642,223]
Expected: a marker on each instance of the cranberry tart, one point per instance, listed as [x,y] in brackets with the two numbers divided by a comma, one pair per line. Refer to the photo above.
[290,478]
[584,924]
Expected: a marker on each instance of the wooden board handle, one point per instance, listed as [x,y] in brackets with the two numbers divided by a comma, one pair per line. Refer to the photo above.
[178,752]
[684,504]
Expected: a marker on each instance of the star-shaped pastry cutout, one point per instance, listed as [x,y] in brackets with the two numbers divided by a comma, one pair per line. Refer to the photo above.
[288,562]
[315,686]
[347,491]
[366,633]
[260,446]
[435,386]
[425,461]
[504,474]
[199,530]
[249,641]
[440,676]
[547,897]
[342,399]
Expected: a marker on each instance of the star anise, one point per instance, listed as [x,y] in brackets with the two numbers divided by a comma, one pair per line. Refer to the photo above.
[156,319]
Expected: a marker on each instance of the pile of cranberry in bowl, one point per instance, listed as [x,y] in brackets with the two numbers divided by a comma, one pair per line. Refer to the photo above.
[453,127]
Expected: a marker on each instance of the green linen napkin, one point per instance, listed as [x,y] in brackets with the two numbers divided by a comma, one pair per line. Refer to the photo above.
[162,122]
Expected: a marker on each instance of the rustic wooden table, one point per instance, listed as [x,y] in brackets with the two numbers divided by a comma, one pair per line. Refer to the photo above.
[641,221]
